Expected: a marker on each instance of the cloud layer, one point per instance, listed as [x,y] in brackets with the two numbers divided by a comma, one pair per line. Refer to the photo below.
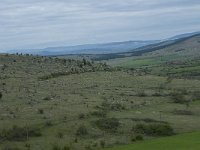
[37,23]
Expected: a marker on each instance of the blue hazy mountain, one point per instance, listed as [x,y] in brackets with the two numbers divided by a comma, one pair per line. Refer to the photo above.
[105,48]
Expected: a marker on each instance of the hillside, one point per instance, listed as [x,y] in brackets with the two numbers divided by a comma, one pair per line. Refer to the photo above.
[179,59]
[62,104]
[107,50]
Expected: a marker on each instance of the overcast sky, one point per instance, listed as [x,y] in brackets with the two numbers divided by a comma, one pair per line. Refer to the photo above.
[46,23]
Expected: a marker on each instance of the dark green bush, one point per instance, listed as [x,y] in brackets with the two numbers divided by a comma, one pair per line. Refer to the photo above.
[82,131]
[81,116]
[48,123]
[182,112]
[19,133]
[139,138]
[178,97]
[1,95]
[154,129]
[47,98]
[60,135]
[102,143]
[110,124]
[40,111]
[141,94]
[99,113]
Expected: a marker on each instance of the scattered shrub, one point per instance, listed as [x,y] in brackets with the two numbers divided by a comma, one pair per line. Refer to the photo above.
[110,124]
[60,135]
[82,131]
[141,94]
[182,112]
[48,123]
[157,94]
[99,113]
[1,95]
[19,133]
[75,140]
[139,138]
[81,116]
[40,111]
[154,129]
[147,120]
[178,97]
[133,139]
[117,106]
[102,143]
[47,98]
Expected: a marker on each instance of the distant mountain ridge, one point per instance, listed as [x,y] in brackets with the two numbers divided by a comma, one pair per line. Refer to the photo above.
[114,47]
[105,48]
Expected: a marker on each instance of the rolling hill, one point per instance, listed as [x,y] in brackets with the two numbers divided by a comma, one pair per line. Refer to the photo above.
[62,104]
[105,48]
[115,47]
[181,58]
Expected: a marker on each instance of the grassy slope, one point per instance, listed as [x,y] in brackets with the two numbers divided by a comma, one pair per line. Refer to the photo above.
[75,94]
[188,141]
[180,59]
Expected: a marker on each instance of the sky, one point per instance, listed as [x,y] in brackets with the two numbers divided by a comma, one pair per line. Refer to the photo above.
[30,24]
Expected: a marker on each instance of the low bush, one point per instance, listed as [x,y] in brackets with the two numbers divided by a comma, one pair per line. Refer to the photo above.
[109,124]
[81,116]
[102,143]
[139,138]
[99,113]
[47,98]
[178,97]
[141,94]
[112,106]
[81,131]
[154,129]
[19,133]
[1,95]
[182,112]
[48,123]
[40,111]
[157,94]
[147,120]
[60,135]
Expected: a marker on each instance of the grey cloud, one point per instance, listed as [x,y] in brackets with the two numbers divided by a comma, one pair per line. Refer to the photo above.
[37,23]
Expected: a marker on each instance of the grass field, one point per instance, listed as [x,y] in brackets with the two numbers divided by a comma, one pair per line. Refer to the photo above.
[189,141]
[55,104]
